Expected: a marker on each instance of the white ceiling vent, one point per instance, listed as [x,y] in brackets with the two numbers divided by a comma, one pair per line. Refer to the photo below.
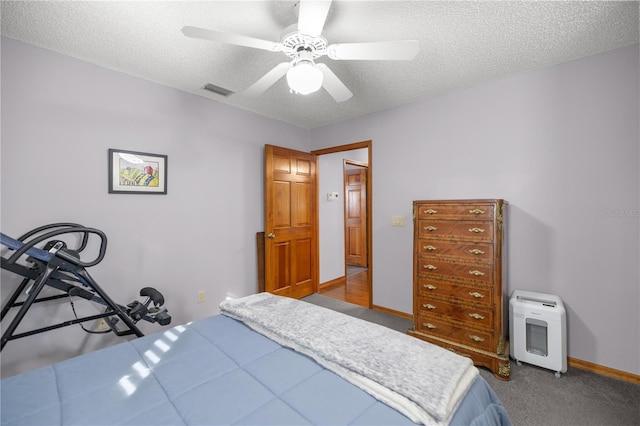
[217,89]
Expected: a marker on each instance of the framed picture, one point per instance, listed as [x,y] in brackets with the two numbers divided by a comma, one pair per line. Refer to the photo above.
[132,172]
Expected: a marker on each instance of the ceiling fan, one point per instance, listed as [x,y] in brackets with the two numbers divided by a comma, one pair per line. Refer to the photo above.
[304,43]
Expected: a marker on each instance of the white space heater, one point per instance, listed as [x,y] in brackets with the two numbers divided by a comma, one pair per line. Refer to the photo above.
[537,325]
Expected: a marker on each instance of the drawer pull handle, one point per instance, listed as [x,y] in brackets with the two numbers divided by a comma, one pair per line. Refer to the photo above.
[429,286]
[476,338]
[476,230]
[430,267]
[431,211]
[476,211]
[430,248]
[430,228]
[428,306]
[477,252]
[476,316]
[476,294]
[476,273]
[428,325]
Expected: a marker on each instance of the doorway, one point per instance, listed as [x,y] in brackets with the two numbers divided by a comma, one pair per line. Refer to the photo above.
[355,215]
[345,246]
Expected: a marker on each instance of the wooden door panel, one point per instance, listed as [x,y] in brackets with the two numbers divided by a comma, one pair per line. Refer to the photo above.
[355,217]
[282,204]
[303,216]
[303,261]
[290,214]
[354,206]
[281,164]
[279,269]
[303,167]
[354,248]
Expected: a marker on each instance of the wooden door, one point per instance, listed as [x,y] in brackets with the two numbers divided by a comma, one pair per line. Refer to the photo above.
[355,216]
[290,228]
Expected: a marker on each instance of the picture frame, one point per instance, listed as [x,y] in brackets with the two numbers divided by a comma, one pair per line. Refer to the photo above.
[133,172]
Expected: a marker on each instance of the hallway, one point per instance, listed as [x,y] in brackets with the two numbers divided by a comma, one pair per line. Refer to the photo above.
[355,291]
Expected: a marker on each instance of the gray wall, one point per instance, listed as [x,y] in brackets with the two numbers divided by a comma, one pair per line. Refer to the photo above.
[59,117]
[562,146]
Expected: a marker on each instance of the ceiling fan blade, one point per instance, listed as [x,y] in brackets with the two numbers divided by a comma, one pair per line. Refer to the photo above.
[333,85]
[402,50]
[236,39]
[267,80]
[312,15]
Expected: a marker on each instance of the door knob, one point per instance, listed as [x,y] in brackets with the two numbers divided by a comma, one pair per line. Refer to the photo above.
[271,235]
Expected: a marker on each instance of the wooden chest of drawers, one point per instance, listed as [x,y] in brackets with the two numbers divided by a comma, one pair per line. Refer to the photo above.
[459,299]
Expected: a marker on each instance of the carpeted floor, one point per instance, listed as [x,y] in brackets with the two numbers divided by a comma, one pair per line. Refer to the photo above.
[534,396]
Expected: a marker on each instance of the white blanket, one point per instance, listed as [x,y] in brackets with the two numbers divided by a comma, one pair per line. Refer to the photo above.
[422,381]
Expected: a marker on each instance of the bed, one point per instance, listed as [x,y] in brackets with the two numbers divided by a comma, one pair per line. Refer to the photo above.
[264,360]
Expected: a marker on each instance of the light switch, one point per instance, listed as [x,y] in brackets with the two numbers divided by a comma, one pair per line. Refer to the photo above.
[332,196]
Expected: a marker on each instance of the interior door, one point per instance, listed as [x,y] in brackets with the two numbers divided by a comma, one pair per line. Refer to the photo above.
[355,216]
[290,211]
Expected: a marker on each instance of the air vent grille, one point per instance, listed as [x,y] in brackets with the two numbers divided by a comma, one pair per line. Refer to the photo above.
[217,89]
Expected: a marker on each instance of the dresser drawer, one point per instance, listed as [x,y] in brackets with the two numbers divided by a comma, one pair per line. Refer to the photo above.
[467,250]
[446,290]
[463,230]
[433,266]
[469,337]
[456,211]
[473,316]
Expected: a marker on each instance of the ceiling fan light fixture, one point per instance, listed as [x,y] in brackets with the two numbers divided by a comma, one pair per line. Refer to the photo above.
[304,78]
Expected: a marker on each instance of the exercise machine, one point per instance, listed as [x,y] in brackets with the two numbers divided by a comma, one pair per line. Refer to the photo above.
[44,260]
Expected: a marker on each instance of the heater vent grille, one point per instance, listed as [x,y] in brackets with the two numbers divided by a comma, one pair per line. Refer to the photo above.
[217,89]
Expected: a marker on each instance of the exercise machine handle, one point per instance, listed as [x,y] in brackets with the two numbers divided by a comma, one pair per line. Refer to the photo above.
[85,237]
[70,228]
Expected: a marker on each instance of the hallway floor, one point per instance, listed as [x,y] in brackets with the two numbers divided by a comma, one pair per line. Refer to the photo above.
[356,289]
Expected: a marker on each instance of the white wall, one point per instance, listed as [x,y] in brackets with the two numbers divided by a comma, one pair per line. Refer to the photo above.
[331,212]
[59,118]
[562,146]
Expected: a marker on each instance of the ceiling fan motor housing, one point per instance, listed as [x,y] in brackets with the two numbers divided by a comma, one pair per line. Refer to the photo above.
[295,42]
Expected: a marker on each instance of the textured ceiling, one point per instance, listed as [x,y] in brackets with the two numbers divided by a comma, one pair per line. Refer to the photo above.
[461,44]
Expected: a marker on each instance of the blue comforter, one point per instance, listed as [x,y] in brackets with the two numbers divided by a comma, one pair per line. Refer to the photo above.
[211,371]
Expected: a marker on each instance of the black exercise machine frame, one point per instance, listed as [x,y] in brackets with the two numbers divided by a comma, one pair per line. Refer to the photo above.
[65,265]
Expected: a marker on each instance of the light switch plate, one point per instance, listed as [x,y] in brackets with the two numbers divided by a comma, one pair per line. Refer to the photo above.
[397,221]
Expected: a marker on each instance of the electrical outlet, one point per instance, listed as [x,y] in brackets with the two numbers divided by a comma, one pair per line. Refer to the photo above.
[101,325]
[397,221]
[201,296]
